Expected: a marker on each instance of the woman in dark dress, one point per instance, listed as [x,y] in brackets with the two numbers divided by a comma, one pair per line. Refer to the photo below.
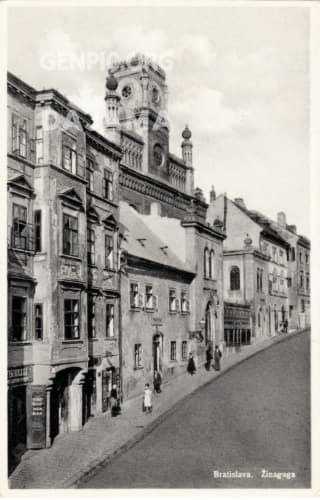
[191,368]
[114,405]
[217,356]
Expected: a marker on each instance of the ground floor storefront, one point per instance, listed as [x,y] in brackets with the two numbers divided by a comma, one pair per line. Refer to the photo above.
[237,324]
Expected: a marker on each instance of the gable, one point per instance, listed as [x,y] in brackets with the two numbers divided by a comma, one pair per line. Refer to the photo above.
[71,198]
[21,185]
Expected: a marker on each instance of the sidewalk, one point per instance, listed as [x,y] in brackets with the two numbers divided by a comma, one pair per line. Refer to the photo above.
[76,454]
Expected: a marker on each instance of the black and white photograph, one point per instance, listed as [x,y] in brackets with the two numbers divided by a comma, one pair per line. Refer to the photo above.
[156,183]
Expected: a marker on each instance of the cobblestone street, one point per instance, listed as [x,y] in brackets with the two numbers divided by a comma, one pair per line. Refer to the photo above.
[255,417]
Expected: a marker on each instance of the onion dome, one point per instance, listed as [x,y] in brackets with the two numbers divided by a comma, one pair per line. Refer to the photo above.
[186,134]
[111,83]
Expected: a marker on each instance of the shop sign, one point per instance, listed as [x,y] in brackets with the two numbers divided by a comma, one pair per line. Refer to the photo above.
[20,375]
[156,321]
[37,417]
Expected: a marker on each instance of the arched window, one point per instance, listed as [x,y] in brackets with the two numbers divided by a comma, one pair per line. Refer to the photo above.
[206,263]
[235,278]
[211,264]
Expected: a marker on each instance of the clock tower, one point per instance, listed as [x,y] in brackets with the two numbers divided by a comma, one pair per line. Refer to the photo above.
[143,110]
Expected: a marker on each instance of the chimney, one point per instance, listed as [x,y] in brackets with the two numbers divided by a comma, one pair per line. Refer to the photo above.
[281,217]
[240,203]
[293,228]
[212,194]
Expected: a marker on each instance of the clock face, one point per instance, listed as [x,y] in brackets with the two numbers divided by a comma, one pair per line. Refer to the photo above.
[158,155]
[127,91]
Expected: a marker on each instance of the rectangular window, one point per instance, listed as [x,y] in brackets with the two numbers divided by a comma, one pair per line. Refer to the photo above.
[20,230]
[109,253]
[274,253]
[137,355]
[173,350]
[289,281]
[109,320]
[91,246]
[134,295]
[37,230]
[307,282]
[89,176]
[19,319]
[303,307]
[23,139]
[149,297]
[300,257]
[172,300]
[307,258]
[184,350]
[301,283]
[281,257]
[14,131]
[69,160]
[91,316]
[39,145]
[38,322]
[184,302]
[71,319]
[70,235]
[108,185]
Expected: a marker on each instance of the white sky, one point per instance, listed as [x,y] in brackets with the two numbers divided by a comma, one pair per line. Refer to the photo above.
[239,77]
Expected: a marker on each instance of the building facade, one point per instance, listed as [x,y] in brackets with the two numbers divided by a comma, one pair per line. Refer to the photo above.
[255,272]
[63,292]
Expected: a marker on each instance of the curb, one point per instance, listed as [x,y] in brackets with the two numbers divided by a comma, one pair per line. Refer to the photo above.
[90,469]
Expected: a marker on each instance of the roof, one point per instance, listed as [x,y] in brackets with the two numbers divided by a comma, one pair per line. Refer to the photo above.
[267,225]
[142,241]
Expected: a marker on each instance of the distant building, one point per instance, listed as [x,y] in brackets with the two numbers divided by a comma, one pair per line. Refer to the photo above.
[255,272]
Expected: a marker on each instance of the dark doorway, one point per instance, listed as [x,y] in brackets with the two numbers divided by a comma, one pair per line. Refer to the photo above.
[17,425]
[60,401]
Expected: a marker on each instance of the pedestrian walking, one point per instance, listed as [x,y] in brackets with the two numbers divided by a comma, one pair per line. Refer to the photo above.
[147,399]
[114,402]
[191,368]
[157,380]
[217,355]
[209,356]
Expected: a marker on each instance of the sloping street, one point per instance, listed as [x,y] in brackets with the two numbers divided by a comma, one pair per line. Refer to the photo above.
[254,418]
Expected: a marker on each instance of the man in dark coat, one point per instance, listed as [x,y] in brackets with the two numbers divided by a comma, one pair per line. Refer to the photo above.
[191,368]
[157,382]
[217,356]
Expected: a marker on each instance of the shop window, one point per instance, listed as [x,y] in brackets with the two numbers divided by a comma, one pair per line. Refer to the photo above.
[38,322]
[235,278]
[172,300]
[19,319]
[37,230]
[71,319]
[108,185]
[149,297]
[184,350]
[92,316]
[69,158]
[91,246]
[39,145]
[109,252]
[137,355]
[173,350]
[134,296]
[70,235]
[109,320]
